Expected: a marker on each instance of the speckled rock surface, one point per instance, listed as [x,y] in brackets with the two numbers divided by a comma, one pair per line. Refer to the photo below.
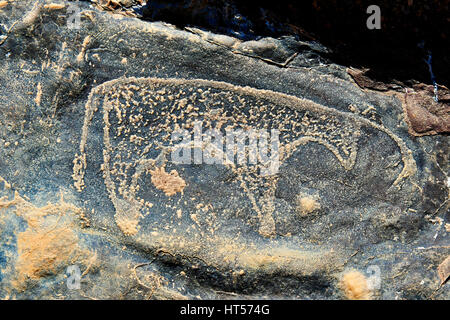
[357,209]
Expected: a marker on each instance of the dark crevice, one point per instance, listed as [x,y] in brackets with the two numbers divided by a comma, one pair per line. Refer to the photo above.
[410,32]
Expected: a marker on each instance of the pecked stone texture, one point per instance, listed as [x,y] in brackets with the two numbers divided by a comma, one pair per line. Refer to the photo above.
[87,179]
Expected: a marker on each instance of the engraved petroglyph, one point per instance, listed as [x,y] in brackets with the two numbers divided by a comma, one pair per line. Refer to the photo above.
[140,114]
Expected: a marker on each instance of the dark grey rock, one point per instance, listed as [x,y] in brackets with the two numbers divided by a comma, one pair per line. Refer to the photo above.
[357,193]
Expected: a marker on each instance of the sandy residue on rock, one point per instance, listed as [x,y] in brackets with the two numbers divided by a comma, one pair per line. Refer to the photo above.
[169,183]
[306,204]
[3,4]
[127,216]
[444,270]
[79,164]
[42,250]
[226,253]
[6,185]
[355,286]
[54,6]
[304,262]
[38,97]
[84,47]
[50,241]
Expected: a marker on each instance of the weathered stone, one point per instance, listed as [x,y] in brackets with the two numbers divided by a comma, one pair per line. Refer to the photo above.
[87,178]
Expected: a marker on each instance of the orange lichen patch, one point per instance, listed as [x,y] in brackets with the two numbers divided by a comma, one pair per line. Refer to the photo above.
[35,216]
[355,286]
[49,243]
[169,183]
[307,205]
[42,250]
[3,4]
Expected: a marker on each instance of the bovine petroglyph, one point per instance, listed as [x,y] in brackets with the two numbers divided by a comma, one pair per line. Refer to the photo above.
[139,115]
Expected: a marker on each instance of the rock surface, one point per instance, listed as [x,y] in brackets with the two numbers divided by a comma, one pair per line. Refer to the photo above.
[357,209]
